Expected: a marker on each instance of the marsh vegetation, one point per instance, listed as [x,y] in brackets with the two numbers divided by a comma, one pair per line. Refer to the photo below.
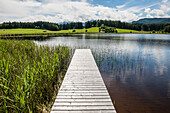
[30,75]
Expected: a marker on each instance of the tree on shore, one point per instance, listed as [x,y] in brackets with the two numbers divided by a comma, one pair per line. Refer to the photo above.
[88,24]
[167,29]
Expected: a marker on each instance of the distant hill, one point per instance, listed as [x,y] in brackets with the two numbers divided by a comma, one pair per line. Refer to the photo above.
[152,20]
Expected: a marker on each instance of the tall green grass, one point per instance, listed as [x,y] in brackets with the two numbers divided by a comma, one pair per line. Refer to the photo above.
[30,76]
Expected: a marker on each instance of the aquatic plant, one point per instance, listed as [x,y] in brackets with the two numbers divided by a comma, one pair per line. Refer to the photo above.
[30,76]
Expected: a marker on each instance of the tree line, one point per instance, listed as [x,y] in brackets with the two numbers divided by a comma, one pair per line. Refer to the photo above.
[167,29]
[88,24]
[41,25]
[76,25]
[33,25]
[124,25]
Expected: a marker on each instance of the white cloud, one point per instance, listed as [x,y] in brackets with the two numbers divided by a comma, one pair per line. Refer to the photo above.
[17,8]
[59,11]
[68,10]
[124,5]
[149,16]
[160,12]
[165,8]
[164,1]
[121,6]
[140,14]
[147,10]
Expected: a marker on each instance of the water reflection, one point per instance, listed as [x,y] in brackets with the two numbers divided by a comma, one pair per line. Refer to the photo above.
[135,68]
[168,89]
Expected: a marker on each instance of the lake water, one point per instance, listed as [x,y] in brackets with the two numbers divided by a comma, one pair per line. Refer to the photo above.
[135,68]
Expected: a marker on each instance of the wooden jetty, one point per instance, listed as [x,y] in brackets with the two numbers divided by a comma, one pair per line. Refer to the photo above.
[83,89]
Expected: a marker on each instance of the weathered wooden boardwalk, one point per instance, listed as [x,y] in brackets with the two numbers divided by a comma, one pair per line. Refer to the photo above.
[83,89]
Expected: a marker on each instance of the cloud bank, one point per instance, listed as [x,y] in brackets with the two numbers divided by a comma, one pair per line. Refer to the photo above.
[72,11]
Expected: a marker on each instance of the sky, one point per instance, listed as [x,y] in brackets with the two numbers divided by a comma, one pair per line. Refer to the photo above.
[59,11]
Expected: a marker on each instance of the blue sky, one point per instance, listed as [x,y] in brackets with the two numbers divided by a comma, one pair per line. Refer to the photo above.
[82,10]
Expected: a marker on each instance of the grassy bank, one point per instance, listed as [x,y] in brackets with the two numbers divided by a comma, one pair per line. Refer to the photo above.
[28,33]
[30,75]
[19,33]
[15,32]
[41,32]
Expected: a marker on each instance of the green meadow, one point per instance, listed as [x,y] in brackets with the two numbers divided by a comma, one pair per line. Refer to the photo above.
[89,30]
[22,31]
[40,32]
[128,31]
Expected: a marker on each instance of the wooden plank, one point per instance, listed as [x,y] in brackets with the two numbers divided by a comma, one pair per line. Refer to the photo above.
[91,111]
[82,96]
[84,103]
[82,108]
[83,89]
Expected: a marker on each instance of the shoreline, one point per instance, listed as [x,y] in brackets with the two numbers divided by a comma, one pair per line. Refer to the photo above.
[37,37]
[43,34]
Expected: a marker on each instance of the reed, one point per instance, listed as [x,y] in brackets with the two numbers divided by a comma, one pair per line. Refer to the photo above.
[30,76]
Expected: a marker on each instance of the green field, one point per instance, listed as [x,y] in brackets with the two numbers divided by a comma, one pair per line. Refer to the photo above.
[127,31]
[22,31]
[89,30]
[40,32]
[96,30]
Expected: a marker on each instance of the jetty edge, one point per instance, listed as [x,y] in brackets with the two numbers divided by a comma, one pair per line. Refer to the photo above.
[83,89]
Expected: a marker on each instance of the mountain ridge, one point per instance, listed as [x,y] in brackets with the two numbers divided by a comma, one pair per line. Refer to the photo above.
[152,20]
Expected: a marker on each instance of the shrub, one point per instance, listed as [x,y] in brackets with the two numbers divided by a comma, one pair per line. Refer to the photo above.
[109,30]
[167,29]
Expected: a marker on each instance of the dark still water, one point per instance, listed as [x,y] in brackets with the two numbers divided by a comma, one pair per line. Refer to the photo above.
[135,68]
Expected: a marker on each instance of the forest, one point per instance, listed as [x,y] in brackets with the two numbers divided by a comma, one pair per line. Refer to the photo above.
[79,25]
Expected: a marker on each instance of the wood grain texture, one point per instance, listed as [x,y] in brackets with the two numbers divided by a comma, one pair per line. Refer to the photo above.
[83,89]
